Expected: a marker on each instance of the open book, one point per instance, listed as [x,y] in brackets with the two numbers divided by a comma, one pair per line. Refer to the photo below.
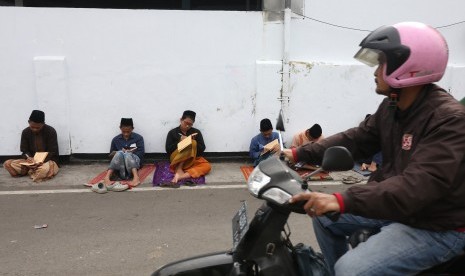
[131,147]
[184,143]
[269,147]
[39,157]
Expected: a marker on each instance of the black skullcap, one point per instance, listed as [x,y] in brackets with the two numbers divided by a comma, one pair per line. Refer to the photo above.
[188,113]
[265,125]
[315,131]
[126,122]
[37,116]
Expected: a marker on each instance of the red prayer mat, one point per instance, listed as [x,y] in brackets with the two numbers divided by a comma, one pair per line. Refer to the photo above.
[146,170]
[247,170]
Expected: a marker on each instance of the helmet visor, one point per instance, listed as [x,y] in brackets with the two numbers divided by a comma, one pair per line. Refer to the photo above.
[368,56]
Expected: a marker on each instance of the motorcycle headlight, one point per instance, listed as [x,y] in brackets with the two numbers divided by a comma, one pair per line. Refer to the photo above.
[277,195]
[257,179]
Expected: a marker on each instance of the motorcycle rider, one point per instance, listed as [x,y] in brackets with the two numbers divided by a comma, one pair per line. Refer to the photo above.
[416,200]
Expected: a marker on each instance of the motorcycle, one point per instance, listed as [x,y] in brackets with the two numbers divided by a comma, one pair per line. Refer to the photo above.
[264,246]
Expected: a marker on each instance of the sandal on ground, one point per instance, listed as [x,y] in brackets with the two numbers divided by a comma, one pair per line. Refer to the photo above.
[117,187]
[351,180]
[190,183]
[99,188]
[170,185]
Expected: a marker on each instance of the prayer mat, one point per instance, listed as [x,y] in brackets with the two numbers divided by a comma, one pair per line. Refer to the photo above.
[163,175]
[247,170]
[145,171]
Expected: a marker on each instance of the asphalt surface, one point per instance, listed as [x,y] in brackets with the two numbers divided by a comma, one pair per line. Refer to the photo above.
[127,233]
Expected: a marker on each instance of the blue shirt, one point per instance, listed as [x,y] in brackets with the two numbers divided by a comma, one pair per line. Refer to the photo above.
[118,143]
[258,142]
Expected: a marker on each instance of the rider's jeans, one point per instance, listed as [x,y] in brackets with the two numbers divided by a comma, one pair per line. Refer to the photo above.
[397,250]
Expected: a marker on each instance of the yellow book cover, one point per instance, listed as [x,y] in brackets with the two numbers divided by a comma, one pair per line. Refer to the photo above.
[268,147]
[185,143]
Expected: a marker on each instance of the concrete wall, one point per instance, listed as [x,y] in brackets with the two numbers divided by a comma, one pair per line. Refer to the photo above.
[87,68]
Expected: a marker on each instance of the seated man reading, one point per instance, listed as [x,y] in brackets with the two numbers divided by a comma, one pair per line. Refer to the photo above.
[38,137]
[310,135]
[127,152]
[264,144]
[186,162]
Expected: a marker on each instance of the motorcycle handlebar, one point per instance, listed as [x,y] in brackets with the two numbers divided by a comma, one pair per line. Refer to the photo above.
[333,216]
[298,207]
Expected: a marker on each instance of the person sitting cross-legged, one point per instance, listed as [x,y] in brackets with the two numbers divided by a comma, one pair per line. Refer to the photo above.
[187,163]
[127,152]
[258,150]
[38,137]
[311,135]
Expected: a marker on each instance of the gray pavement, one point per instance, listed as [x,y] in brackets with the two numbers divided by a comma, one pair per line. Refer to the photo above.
[128,233]
[73,176]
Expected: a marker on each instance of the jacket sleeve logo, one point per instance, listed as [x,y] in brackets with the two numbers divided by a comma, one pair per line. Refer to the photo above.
[407,141]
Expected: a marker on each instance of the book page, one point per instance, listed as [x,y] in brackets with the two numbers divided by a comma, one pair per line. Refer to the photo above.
[185,143]
[39,157]
[131,146]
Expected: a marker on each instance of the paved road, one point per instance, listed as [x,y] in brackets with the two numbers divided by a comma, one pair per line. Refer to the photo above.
[129,233]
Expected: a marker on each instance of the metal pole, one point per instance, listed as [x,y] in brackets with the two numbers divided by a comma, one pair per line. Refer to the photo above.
[286,67]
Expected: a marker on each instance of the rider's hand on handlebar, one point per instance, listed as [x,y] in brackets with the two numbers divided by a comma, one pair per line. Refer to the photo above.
[288,154]
[317,203]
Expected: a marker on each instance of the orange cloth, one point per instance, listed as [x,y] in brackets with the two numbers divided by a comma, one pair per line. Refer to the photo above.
[301,139]
[200,168]
[195,166]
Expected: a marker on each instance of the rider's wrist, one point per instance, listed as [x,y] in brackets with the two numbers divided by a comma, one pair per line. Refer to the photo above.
[294,154]
[340,201]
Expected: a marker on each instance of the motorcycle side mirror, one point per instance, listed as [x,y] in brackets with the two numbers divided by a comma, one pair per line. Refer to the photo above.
[279,128]
[337,159]
[280,122]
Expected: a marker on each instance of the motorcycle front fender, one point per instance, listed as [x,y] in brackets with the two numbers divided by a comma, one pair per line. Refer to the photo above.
[213,264]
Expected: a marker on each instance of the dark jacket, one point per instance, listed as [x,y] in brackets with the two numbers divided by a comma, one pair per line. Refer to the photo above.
[118,143]
[174,137]
[48,143]
[422,180]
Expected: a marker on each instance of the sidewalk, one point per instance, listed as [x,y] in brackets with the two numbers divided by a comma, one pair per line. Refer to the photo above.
[76,174]
[73,176]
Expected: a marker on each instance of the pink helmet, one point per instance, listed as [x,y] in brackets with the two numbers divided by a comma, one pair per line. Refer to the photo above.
[414,53]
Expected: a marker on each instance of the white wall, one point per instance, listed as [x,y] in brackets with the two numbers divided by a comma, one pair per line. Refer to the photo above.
[87,68]
[148,65]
